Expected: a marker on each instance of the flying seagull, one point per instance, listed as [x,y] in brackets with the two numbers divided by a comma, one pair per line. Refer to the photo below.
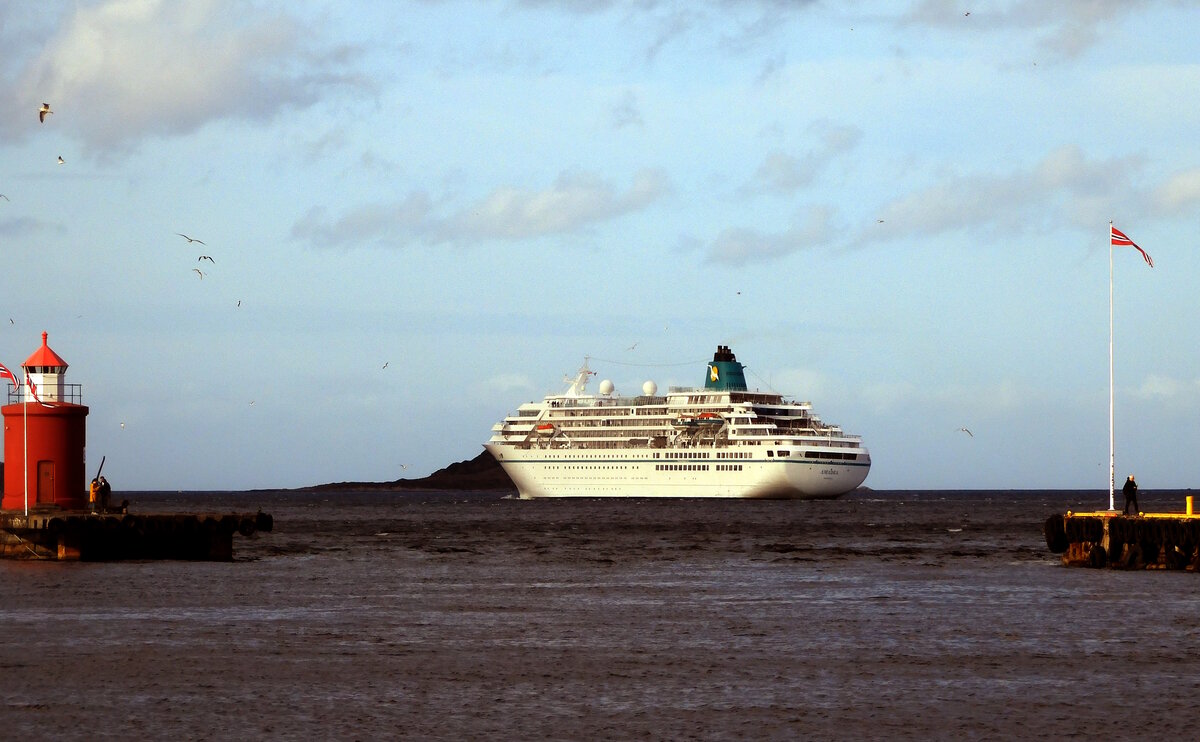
[45,109]
[199,273]
[967,432]
[385,364]
[4,197]
[205,257]
[61,160]
[189,239]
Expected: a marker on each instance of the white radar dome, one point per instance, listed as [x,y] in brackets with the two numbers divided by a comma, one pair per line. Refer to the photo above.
[649,388]
[606,387]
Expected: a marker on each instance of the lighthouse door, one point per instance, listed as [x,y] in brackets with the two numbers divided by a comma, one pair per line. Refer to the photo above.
[45,482]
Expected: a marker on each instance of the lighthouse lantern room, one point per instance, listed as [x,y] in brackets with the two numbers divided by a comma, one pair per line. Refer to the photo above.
[45,428]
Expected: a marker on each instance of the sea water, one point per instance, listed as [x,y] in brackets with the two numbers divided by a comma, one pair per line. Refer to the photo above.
[456,615]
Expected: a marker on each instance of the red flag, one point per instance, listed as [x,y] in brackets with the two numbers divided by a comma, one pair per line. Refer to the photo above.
[33,390]
[6,374]
[1120,240]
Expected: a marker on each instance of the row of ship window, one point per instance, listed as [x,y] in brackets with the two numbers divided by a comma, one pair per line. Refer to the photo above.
[697,467]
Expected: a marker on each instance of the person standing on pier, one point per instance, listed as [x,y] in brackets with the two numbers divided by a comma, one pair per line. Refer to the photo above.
[105,494]
[1130,492]
[93,494]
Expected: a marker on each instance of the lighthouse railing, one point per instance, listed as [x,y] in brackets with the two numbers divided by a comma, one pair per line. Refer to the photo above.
[71,393]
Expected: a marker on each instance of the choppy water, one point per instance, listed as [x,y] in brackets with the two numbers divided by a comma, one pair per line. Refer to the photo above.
[466,616]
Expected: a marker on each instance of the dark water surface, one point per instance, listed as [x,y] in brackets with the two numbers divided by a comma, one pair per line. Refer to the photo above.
[466,616]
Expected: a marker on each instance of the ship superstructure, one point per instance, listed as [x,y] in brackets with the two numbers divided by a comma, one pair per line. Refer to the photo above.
[719,440]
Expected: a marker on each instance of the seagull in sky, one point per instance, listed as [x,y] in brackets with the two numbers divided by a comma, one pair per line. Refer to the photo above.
[632,347]
[206,257]
[239,303]
[199,272]
[61,161]
[967,432]
[189,239]
[4,197]
[45,109]
[385,364]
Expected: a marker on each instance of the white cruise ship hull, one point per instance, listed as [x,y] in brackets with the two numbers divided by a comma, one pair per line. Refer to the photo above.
[632,473]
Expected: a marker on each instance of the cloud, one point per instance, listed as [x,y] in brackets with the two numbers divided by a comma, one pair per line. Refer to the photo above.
[24,226]
[627,112]
[739,246]
[1179,195]
[1065,28]
[1064,189]
[574,201]
[780,172]
[1083,193]
[1182,391]
[121,70]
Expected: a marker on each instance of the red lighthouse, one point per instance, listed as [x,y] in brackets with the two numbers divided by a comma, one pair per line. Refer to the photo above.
[45,433]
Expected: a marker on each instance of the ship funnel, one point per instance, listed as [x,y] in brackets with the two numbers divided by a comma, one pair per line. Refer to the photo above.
[725,373]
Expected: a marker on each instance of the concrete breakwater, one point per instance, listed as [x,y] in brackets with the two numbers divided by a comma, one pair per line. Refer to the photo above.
[1111,539]
[116,536]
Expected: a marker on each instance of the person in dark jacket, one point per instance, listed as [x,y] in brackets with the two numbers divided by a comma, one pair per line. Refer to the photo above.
[1130,492]
[105,494]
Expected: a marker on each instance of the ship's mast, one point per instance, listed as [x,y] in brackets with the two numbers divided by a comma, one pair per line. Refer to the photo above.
[578,385]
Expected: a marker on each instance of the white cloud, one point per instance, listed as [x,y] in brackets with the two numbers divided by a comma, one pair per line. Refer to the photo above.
[118,71]
[1065,28]
[1083,192]
[739,245]
[574,201]
[781,172]
[1180,194]
[1183,391]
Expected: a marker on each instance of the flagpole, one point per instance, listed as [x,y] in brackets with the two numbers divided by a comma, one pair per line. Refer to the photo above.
[25,425]
[1112,439]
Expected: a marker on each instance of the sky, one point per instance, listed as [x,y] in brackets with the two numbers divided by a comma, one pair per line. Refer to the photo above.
[422,214]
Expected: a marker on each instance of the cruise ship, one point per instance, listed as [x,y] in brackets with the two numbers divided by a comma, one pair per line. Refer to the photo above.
[718,440]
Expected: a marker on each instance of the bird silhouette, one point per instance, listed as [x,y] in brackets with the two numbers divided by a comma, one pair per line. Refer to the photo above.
[61,160]
[205,257]
[4,197]
[199,272]
[385,364]
[967,432]
[189,239]
[45,109]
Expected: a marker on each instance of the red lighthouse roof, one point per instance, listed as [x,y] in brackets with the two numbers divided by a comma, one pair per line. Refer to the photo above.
[43,356]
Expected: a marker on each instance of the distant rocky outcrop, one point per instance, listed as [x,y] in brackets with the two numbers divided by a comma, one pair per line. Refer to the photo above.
[480,473]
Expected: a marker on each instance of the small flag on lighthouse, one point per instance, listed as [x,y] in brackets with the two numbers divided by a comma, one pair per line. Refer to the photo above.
[1120,240]
[33,390]
[6,374]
